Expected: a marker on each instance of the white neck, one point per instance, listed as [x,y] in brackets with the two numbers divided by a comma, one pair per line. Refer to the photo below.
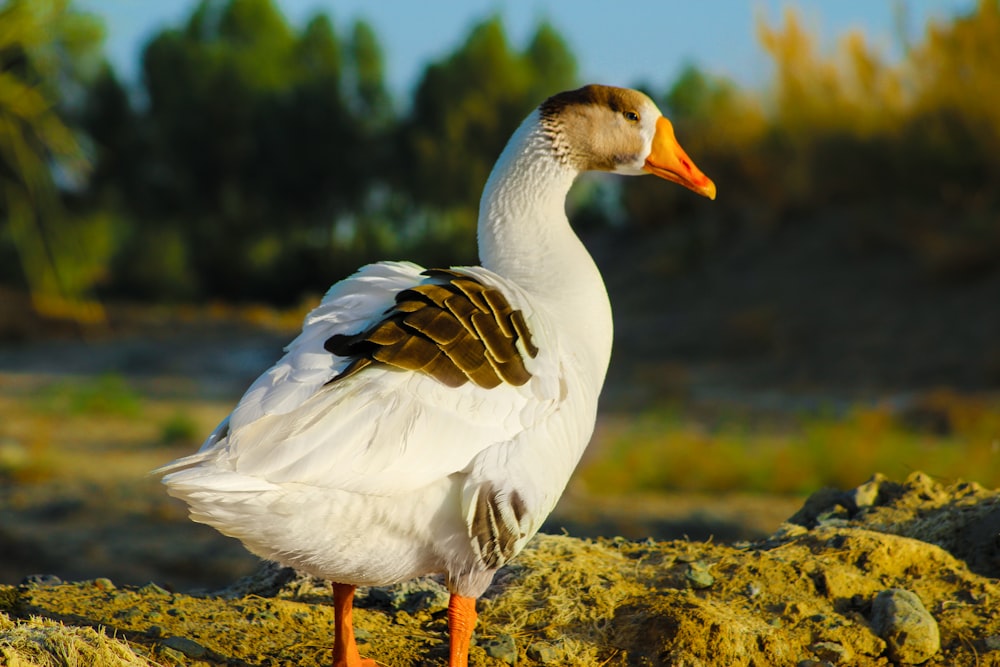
[525,236]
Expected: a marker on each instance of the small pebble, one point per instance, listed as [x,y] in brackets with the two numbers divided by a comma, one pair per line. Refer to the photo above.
[153,589]
[545,653]
[188,647]
[832,652]
[867,494]
[104,584]
[698,575]
[411,597]
[911,633]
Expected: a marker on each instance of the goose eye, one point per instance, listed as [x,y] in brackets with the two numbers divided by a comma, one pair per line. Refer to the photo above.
[631,116]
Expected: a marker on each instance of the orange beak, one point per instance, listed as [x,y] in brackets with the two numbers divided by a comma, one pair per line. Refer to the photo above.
[668,160]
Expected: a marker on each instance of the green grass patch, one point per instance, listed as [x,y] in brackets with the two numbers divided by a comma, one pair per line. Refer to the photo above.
[945,436]
[107,395]
[180,428]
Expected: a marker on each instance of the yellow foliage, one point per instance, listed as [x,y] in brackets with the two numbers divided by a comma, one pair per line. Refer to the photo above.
[851,90]
[957,68]
[855,90]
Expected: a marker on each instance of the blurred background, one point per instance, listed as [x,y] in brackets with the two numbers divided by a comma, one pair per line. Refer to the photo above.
[181,181]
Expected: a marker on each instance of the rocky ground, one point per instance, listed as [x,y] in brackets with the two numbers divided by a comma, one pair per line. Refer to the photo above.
[888,573]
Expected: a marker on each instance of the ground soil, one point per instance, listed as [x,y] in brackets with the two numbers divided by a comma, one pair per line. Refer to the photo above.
[802,597]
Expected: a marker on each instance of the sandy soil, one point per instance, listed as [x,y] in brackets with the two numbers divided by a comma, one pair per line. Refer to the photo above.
[827,588]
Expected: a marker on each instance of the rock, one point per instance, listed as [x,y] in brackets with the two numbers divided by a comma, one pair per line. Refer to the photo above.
[153,589]
[832,652]
[545,653]
[35,580]
[410,596]
[824,506]
[104,584]
[698,575]
[188,647]
[502,647]
[911,633]
[866,495]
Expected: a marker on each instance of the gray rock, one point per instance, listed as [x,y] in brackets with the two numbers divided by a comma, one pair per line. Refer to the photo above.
[104,584]
[411,596]
[152,589]
[502,647]
[832,652]
[40,580]
[545,653]
[188,647]
[911,633]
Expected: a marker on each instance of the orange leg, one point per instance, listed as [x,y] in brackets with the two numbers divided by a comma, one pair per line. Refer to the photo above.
[461,621]
[345,649]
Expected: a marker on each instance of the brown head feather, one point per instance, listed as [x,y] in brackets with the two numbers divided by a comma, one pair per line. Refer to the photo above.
[578,122]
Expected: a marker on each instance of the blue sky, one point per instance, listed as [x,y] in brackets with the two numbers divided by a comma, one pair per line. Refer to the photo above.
[621,43]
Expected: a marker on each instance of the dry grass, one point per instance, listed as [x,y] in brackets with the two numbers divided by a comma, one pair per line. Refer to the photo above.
[40,642]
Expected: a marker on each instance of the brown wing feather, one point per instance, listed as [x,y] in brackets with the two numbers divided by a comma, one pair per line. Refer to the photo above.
[455,330]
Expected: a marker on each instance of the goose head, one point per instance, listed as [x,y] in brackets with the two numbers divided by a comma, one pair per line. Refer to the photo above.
[619,130]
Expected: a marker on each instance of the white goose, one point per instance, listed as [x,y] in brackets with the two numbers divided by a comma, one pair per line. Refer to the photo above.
[428,421]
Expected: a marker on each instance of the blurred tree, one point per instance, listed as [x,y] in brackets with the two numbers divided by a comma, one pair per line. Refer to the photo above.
[47,54]
[262,139]
[552,63]
[369,97]
[111,127]
[465,108]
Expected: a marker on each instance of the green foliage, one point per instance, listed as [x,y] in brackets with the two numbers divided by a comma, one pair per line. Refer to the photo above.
[108,395]
[257,139]
[180,429]
[42,43]
[373,106]
[945,435]
[270,159]
[269,153]
[466,107]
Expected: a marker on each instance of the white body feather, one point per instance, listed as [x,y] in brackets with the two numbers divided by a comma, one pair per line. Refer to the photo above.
[373,479]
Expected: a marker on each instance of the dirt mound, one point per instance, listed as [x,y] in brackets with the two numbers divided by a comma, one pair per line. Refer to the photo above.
[888,573]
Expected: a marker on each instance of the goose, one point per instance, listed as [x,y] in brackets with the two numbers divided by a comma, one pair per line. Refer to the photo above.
[426,421]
